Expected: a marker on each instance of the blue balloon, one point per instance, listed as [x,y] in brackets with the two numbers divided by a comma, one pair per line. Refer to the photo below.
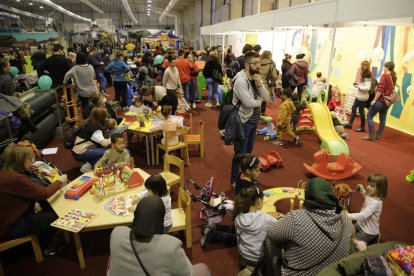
[14,71]
[44,82]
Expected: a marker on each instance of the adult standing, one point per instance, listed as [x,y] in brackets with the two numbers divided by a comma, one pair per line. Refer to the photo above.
[269,75]
[18,194]
[144,249]
[362,96]
[184,67]
[384,88]
[229,57]
[17,61]
[299,74]
[90,143]
[98,66]
[171,77]
[212,72]
[159,96]
[314,236]
[249,93]
[193,80]
[56,66]
[286,64]
[84,76]
[38,57]
[119,68]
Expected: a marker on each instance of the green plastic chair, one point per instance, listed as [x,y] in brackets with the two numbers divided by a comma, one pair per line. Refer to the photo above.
[201,84]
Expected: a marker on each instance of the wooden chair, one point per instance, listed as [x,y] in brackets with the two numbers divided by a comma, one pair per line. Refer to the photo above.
[181,217]
[181,132]
[71,105]
[188,120]
[197,139]
[170,177]
[4,245]
[291,198]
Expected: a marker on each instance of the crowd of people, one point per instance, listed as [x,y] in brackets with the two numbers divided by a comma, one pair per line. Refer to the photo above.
[319,228]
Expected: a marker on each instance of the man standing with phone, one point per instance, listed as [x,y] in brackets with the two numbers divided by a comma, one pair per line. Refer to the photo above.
[249,93]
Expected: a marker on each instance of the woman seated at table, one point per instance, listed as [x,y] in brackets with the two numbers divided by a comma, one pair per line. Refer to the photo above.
[143,249]
[99,100]
[167,124]
[159,96]
[90,143]
[315,236]
[20,214]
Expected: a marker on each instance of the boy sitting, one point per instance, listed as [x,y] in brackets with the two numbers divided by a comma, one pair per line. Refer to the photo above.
[117,153]
[285,116]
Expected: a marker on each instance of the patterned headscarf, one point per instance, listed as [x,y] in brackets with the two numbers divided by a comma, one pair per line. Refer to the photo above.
[319,195]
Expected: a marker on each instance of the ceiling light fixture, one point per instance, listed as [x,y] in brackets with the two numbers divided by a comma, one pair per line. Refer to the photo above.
[168,9]
[4,7]
[63,10]
[41,7]
[129,11]
[30,4]
[92,5]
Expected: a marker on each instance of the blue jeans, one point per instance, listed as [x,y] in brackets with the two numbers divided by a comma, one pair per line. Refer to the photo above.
[361,108]
[382,109]
[193,91]
[212,87]
[243,146]
[102,80]
[91,155]
[186,89]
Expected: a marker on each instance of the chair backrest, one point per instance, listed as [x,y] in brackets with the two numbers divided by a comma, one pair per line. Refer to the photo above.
[184,201]
[179,163]
[188,119]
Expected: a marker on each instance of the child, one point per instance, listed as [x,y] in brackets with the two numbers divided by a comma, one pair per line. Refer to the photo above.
[367,220]
[114,128]
[138,106]
[299,106]
[339,128]
[318,85]
[168,124]
[250,169]
[336,99]
[285,116]
[156,185]
[117,153]
[183,105]
[251,225]
[318,78]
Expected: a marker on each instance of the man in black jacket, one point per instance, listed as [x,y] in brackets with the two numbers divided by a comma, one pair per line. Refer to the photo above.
[56,65]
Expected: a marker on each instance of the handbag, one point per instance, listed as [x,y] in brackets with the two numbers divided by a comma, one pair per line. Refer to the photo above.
[269,78]
[393,97]
[217,76]
[137,256]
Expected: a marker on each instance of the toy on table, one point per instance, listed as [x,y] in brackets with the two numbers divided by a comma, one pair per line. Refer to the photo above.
[75,191]
[130,117]
[117,206]
[410,177]
[344,166]
[114,179]
[273,158]
[269,130]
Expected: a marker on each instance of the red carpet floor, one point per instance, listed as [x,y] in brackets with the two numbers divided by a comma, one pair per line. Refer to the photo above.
[393,155]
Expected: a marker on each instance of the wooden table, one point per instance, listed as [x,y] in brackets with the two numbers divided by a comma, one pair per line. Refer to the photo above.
[279,193]
[89,202]
[135,128]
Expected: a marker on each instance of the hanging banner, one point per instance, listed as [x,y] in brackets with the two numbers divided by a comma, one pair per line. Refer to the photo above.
[81,27]
[104,23]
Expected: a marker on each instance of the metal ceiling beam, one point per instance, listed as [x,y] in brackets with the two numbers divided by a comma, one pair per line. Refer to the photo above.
[92,5]
[63,10]
[4,7]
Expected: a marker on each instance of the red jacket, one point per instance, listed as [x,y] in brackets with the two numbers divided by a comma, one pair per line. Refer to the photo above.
[183,66]
[17,193]
[385,86]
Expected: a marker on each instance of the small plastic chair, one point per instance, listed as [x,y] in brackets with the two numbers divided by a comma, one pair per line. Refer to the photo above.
[197,139]
[170,177]
[182,132]
[181,217]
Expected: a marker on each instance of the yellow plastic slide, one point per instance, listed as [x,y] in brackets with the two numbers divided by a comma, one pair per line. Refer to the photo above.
[326,131]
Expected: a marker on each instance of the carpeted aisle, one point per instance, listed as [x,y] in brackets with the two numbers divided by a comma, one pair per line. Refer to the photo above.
[392,155]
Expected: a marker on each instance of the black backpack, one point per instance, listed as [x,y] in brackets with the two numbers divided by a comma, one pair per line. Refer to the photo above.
[234,67]
[70,138]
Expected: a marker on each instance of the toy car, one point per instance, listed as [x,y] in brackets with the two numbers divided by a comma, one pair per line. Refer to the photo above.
[270,136]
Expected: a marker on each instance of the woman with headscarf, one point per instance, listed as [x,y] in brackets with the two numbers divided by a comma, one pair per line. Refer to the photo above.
[315,236]
[143,249]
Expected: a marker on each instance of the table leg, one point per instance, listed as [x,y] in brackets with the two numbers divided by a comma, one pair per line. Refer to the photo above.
[148,149]
[79,250]
[152,150]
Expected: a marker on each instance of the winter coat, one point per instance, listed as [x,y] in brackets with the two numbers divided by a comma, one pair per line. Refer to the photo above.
[285,69]
[267,65]
[300,70]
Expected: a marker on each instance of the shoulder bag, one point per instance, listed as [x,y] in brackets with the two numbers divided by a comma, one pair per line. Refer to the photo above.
[393,97]
[137,256]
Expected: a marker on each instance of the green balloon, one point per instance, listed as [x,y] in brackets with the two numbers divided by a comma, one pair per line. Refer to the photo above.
[44,82]
[159,59]
[14,71]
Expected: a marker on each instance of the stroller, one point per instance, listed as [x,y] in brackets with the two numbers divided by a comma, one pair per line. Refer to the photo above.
[215,205]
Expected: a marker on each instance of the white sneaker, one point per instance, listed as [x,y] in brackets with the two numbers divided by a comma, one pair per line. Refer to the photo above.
[218,104]
[208,104]
[86,168]
[194,105]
